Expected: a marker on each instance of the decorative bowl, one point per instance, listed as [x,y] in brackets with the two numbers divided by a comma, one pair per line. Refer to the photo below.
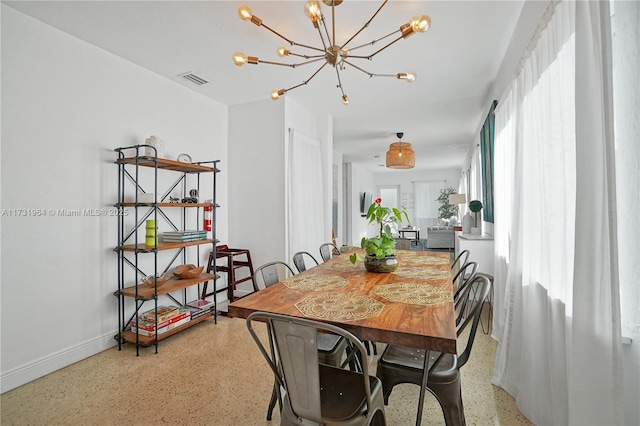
[149,281]
[187,271]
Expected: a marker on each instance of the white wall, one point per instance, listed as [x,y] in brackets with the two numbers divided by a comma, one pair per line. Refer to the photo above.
[65,106]
[257,181]
[258,132]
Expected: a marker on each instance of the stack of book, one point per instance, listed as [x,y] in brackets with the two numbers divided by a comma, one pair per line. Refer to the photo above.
[199,307]
[183,236]
[169,317]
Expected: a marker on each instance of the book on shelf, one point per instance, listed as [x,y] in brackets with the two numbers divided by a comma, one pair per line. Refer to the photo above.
[184,233]
[151,326]
[196,312]
[182,239]
[164,313]
[161,330]
[205,305]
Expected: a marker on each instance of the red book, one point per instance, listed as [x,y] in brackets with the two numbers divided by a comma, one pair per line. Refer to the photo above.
[150,326]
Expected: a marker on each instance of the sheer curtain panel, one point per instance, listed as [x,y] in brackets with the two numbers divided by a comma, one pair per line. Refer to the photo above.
[426,202]
[557,301]
[305,207]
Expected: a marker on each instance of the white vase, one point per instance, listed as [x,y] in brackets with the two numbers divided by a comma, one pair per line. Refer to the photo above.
[467,223]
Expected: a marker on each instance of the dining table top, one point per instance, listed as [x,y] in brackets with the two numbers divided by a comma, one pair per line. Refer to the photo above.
[412,306]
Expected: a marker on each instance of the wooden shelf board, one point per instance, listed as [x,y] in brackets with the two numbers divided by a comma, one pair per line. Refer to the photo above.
[130,336]
[166,164]
[167,205]
[173,284]
[163,245]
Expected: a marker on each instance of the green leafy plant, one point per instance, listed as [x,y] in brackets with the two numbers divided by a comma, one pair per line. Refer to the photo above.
[446,209]
[383,245]
[475,206]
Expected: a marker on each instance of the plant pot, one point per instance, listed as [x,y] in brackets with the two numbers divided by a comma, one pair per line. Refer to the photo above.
[386,264]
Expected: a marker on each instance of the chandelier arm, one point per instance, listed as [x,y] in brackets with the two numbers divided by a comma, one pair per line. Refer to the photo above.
[372,42]
[365,25]
[377,51]
[370,74]
[324,25]
[307,80]
[359,69]
[297,64]
[339,81]
[305,56]
[333,23]
[291,42]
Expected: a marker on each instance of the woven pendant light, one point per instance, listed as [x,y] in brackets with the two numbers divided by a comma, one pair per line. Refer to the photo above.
[401,155]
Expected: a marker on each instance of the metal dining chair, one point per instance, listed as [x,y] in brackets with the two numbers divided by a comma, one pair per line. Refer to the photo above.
[331,347]
[271,273]
[400,364]
[317,393]
[298,260]
[328,250]
[461,259]
[464,275]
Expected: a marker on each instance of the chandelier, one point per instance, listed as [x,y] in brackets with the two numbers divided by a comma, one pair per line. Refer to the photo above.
[401,155]
[338,55]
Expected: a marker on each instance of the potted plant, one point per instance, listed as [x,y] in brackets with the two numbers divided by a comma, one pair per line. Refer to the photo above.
[446,210]
[475,206]
[380,250]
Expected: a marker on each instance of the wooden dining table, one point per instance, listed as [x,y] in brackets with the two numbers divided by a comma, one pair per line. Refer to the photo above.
[412,306]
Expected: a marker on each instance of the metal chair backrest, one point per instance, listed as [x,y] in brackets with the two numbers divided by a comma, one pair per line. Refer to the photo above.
[271,273]
[328,250]
[298,260]
[465,274]
[294,362]
[461,259]
[470,303]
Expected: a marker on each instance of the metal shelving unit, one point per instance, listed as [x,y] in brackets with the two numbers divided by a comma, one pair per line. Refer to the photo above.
[136,259]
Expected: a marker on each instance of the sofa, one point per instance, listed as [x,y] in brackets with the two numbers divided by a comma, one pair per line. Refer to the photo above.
[440,237]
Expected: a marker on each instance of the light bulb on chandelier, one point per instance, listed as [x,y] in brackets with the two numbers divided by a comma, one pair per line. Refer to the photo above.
[332,53]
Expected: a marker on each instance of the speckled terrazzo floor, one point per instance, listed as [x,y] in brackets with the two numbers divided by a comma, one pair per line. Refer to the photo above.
[213,374]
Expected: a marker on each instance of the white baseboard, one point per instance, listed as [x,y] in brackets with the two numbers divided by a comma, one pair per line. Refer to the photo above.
[26,373]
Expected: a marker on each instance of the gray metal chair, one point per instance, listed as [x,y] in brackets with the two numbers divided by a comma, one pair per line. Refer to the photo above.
[298,260]
[400,364]
[317,393]
[271,273]
[464,275]
[328,250]
[461,259]
[331,347]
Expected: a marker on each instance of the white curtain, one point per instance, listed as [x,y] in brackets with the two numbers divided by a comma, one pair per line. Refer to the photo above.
[462,189]
[475,176]
[426,202]
[556,290]
[305,206]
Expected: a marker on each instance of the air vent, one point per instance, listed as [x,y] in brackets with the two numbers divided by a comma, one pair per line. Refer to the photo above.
[195,79]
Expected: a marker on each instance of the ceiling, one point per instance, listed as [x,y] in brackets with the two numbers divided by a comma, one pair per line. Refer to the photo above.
[456,62]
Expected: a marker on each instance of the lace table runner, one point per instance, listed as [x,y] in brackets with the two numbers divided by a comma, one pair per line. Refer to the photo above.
[315,282]
[339,307]
[345,266]
[422,273]
[415,294]
[417,259]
